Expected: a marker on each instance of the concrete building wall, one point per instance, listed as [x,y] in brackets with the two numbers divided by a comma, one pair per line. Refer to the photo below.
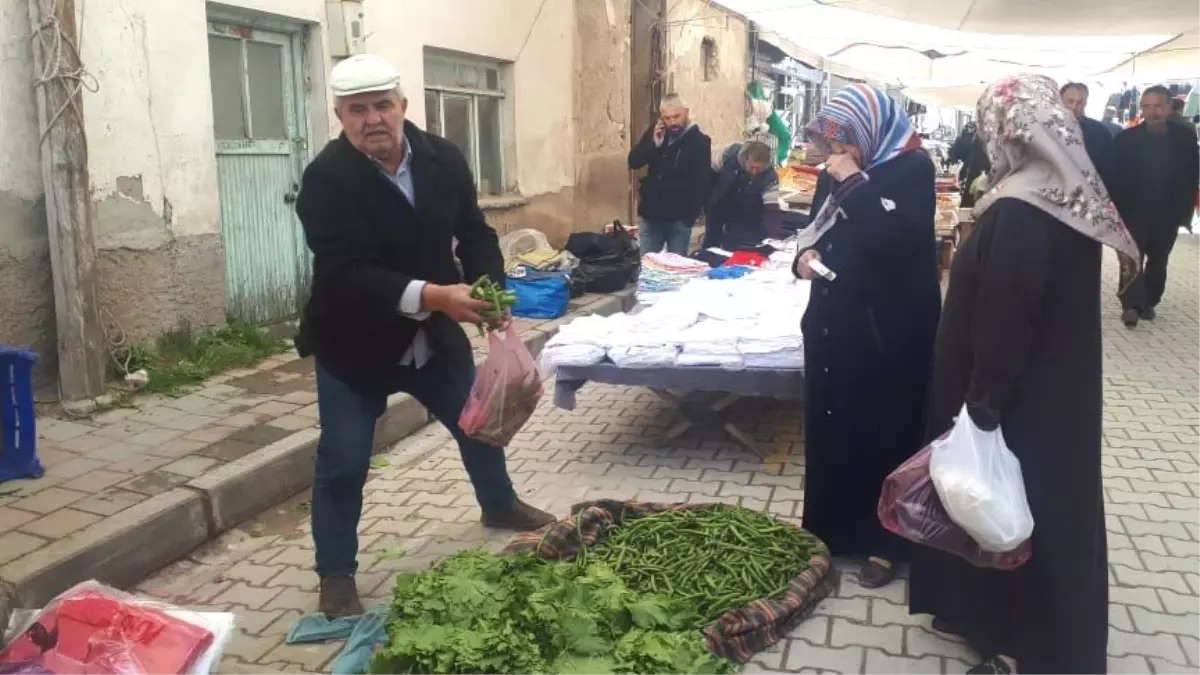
[160,258]
[26,298]
[602,109]
[718,103]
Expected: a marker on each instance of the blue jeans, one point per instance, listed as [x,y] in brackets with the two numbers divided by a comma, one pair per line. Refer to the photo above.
[347,438]
[677,236]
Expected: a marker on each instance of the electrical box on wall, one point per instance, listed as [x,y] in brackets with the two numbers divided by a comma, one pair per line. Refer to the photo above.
[344,21]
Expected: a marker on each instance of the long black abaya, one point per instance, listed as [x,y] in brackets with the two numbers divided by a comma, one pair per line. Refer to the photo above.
[868,348]
[1020,341]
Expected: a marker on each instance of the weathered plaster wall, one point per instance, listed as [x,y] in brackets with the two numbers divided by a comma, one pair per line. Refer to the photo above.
[26,295]
[538,46]
[602,126]
[160,259]
[551,214]
[153,166]
[718,105]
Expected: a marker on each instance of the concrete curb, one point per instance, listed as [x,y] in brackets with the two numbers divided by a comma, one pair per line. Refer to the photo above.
[126,548]
[121,550]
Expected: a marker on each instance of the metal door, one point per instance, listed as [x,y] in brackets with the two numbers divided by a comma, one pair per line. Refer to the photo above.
[258,121]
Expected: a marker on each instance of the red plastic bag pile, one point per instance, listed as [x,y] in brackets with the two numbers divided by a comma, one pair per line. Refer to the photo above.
[507,389]
[909,507]
[93,629]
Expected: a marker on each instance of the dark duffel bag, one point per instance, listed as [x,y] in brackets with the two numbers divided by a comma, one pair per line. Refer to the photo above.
[608,262]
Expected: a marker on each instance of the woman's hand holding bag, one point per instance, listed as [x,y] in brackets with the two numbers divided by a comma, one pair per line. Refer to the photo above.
[979,483]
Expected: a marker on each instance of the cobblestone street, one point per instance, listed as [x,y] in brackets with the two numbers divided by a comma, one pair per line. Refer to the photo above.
[422,505]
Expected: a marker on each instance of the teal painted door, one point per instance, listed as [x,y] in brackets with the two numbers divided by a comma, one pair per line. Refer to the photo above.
[258,123]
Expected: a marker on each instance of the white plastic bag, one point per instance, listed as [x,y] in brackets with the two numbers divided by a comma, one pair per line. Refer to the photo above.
[981,487]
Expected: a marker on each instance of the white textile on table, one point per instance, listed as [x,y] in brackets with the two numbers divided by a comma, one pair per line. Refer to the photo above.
[733,308]
[729,361]
[668,316]
[789,360]
[572,354]
[584,341]
[703,290]
[777,335]
[712,343]
[751,322]
[628,356]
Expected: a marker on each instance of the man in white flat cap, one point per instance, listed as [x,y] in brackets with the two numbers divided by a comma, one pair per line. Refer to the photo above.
[382,207]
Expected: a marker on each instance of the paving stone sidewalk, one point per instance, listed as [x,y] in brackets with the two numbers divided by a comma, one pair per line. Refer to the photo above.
[422,505]
[110,478]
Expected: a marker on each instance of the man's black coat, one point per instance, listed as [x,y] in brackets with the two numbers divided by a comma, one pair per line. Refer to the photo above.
[369,243]
[677,178]
[1184,171]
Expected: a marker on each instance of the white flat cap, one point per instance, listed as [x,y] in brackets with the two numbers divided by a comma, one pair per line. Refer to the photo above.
[362,73]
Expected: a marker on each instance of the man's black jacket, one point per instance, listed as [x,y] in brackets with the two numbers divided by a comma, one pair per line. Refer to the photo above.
[735,215]
[1184,171]
[676,184]
[368,243]
[1099,145]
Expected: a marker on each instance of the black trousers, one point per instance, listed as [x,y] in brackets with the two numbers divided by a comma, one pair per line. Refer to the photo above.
[1155,236]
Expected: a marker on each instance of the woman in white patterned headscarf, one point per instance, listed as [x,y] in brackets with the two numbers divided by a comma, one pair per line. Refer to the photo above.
[1019,344]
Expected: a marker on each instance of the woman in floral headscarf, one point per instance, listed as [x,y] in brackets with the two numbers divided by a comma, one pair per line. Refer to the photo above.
[868,333]
[1019,344]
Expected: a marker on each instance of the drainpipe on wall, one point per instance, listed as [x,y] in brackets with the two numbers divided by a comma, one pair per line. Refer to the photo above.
[67,187]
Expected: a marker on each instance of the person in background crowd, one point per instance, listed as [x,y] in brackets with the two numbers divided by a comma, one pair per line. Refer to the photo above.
[961,150]
[1097,140]
[1019,345]
[1177,106]
[1156,193]
[734,216]
[678,157]
[977,167]
[1110,121]
[381,206]
[868,333]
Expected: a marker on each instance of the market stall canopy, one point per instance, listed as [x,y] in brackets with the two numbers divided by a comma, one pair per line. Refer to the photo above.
[1039,17]
[963,97]
[1178,56]
[1143,45]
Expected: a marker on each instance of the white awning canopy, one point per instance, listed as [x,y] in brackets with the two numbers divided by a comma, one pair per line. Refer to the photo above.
[1040,17]
[958,45]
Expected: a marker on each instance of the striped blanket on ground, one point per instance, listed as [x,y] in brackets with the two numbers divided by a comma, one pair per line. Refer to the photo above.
[738,634]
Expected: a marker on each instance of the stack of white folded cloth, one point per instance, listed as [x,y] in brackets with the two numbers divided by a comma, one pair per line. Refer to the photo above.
[673,315]
[584,341]
[712,343]
[776,343]
[786,360]
[647,348]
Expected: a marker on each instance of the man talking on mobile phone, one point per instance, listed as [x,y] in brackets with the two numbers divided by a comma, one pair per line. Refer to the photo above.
[678,159]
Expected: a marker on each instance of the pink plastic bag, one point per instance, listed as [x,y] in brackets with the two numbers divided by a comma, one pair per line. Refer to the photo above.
[909,507]
[506,391]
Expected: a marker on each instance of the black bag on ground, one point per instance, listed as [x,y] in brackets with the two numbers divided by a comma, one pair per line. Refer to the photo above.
[608,262]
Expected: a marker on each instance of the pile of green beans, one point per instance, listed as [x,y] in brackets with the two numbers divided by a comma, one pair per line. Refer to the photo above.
[501,300]
[715,559]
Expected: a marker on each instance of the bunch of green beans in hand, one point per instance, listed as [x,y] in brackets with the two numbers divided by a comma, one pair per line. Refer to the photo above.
[715,559]
[502,301]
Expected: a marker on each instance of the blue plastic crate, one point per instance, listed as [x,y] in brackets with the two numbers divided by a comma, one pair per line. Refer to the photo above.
[18,423]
